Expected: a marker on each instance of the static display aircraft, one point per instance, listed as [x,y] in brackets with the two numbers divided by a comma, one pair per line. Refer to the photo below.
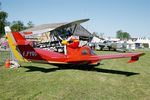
[72,53]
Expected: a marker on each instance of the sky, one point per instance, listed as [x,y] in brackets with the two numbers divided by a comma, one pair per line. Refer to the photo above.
[106,16]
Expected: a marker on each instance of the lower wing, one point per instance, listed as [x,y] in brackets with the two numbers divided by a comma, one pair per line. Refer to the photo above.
[134,56]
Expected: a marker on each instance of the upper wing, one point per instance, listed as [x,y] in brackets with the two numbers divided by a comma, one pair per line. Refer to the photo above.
[134,56]
[71,24]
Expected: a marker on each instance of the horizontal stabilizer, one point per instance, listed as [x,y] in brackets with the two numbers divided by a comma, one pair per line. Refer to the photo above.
[20,40]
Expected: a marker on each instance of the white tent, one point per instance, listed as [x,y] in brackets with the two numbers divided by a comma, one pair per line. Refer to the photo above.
[143,41]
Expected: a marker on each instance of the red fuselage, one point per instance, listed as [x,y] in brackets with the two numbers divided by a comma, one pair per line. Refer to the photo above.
[74,55]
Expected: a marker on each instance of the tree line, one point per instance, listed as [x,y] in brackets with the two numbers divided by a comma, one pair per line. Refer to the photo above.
[15,25]
[119,34]
[123,35]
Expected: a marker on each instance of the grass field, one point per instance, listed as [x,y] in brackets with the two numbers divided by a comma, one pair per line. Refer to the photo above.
[111,80]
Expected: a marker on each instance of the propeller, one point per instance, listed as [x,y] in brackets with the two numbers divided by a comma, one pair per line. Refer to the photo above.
[65,42]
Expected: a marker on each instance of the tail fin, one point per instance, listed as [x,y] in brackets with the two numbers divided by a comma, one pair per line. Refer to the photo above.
[18,36]
[12,39]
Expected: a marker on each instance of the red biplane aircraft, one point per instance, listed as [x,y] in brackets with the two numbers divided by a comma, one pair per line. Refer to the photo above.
[24,50]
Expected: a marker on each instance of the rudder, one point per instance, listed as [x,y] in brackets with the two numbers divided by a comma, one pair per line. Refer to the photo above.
[12,40]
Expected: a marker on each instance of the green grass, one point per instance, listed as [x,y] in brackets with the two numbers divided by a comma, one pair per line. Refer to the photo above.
[111,80]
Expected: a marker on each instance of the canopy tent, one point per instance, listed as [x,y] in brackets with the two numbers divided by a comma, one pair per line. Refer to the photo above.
[143,42]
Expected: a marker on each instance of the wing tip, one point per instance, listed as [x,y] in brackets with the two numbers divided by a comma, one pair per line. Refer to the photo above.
[135,58]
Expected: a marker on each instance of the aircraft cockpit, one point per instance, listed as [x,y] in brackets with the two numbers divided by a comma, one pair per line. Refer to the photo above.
[64,33]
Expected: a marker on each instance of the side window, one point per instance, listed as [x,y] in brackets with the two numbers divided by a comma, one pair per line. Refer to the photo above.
[84,52]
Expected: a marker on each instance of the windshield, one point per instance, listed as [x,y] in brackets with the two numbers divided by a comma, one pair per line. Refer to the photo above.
[92,52]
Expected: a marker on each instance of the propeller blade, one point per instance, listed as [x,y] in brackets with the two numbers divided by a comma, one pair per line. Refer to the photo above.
[65,49]
[69,38]
[60,38]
